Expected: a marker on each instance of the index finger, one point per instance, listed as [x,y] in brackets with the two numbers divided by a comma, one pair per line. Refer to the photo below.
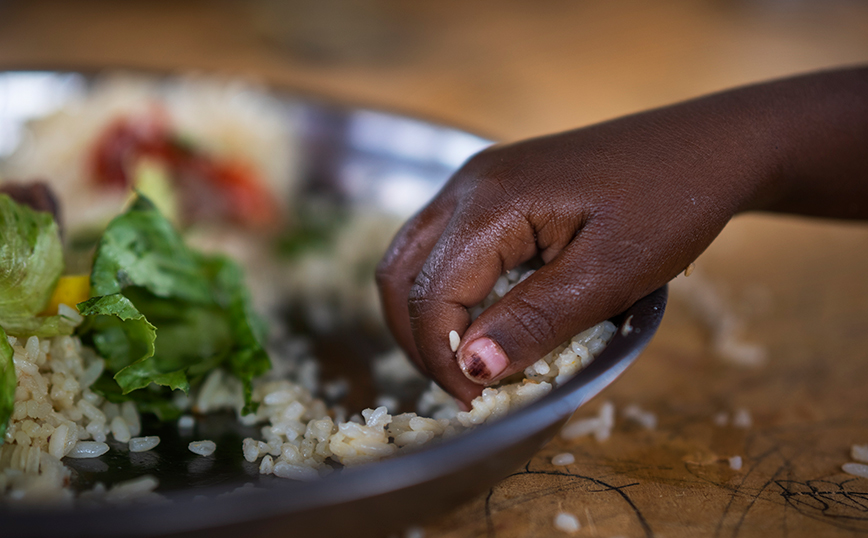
[471,254]
[401,263]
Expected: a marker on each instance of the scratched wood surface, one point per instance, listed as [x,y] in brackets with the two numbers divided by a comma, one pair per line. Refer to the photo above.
[514,69]
[808,405]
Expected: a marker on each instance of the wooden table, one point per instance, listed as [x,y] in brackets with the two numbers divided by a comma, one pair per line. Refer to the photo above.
[511,70]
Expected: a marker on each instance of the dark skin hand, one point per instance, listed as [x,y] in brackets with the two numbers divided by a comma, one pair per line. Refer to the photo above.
[615,210]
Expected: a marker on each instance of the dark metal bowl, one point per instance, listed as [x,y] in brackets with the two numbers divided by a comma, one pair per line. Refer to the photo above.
[353,156]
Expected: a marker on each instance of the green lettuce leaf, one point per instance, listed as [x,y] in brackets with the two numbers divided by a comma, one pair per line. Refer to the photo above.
[147,401]
[125,339]
[141,248]
[31,261]
[8,383]
[41,326]
[247,358]
[168,315]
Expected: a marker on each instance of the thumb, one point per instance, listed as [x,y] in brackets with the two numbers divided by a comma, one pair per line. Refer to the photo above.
[582,286]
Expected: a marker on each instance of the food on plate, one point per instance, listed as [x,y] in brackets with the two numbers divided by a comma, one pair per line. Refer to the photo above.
[156,318]
[124,297]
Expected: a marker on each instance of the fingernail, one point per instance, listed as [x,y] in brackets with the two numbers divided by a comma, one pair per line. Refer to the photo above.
[482,360]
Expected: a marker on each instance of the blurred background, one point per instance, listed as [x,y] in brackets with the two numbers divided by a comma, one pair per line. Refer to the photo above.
[507,68]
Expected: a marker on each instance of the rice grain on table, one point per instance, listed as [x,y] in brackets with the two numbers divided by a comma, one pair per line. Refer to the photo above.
[564,458]
[735,463]
[202,448]
[567,522]
[87,449]
[856,469]
[600,426]
[143,444]
[859,453]
[646,419]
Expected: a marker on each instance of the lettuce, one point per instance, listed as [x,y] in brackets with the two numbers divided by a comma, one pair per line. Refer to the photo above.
[165,314]
[31,261]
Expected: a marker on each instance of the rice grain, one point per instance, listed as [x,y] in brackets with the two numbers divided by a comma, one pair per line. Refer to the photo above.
[202,448]
[859,453]
[564,458]
[88,449]
[856,469]
[454,340]
[143,444]
[735,463]
[567,522]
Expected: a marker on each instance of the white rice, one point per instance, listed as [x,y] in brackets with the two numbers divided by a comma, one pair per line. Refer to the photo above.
[202,448]
[856,469]
[859,453]
[120,430]
[735,463]
[143,444]
[394,368]
[301,439]
[328,281]
[87,449]
[646,419]
[56,415]
[454,341]
[567,522]
[186,422]
[564,458]
[627,327]
[600,426]
[720,316]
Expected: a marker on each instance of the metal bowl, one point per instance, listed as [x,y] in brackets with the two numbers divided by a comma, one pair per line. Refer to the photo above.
[354,156]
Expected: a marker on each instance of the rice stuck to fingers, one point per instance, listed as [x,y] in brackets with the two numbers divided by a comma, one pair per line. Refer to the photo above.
[302,440]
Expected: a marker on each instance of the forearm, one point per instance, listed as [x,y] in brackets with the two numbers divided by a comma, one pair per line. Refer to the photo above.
[813,133]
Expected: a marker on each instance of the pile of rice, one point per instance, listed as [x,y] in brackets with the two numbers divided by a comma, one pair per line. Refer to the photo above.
[302,441]
[56,415]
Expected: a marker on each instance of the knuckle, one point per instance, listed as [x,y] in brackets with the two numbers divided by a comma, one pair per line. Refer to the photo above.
[385,272]
[537,323]
[420,293]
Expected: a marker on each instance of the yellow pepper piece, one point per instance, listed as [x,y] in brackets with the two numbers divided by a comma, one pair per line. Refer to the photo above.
[70,290]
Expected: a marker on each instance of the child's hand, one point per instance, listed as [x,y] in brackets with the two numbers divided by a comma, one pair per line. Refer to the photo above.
[615,210]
